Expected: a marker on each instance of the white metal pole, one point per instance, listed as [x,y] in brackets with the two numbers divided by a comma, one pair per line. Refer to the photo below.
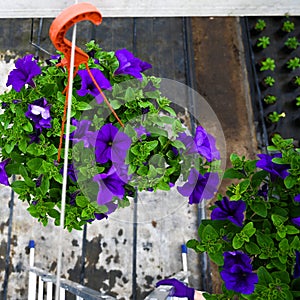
[32,276]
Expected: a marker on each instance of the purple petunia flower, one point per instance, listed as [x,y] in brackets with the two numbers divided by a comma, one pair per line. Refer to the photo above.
[297,198]
[88,86]
[199,186]
[141,130]
[82,133]
[26,69]
[111,144]
[3,175]
[71,172]
[189,143]
[206,144]
[296,221]
[275,170]
[131,65]
[229,210]
[39,113]
[110,185]
[4,105]
[35,137]
[297,265]
[237,273]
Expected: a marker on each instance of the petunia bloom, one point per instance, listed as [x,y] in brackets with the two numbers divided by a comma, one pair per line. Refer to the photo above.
[111,144]
[275,170]
[199,187]
[206,144]
[110,185]
[3,175]
[296,221]
[39,113]
[82,133]
[297,198]
[88,86]
[26,69]
[229,210]
[297,265]
[131,65]
[71,172]
[237,273]
[188,141]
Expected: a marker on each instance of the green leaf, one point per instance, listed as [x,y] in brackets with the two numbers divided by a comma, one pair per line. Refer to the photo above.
[178,144]
[244,185]
[51,150]
[9,147]
[232,174]
[35,149]
[258,177]
[217,257]
[290,181]
[22,145]
[163,186]
[19,186]
[252,248]
[278,220]
[35,164]
[209,233]
[249,230]
[291,229]
[83,106]
[28,127]
[283,276]
[237,242]
[82,201]
[192,244]
[284,245]
[129,94]
[151,145]
[259,208]
[264,276]
[45,184]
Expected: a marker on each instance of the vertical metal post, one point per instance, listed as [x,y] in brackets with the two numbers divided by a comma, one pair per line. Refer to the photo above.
[7,256]
[32,276]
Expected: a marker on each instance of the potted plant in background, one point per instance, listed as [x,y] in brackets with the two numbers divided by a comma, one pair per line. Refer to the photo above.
[291,44]
[293,63]
[287,27]
[274,116]
[294,83]
[262,43]
[259,26]
[253,232]
[268,81]
[270,99]
[267,64]
[141,146]
[297,101]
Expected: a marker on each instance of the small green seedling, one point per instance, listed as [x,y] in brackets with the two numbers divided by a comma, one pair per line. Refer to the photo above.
[263,42]
[269,81]
[293,63]
[274,117]
[292,43]
[268,64]
[270,99]
[288,26]
[260,25]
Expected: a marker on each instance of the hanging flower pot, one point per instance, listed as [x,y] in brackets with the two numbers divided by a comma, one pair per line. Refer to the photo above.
[134,143]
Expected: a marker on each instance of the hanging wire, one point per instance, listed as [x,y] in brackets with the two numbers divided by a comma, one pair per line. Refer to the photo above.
[65,170]
[135,204]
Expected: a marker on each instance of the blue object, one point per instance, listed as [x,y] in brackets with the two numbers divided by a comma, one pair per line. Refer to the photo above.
[31,244]
[183,248]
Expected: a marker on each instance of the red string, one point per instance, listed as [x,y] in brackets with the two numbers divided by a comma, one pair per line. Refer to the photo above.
[66,107]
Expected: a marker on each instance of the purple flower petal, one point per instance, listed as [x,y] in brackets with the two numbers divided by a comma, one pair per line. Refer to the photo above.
[229,210]
[296,221]
[88,86]
[297,265]
[111,145]
[3,175]
[110,185]
[275,170]
[82,133]
[26,69]
[130,65]
[206,144]
[199,187]
[297,198]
